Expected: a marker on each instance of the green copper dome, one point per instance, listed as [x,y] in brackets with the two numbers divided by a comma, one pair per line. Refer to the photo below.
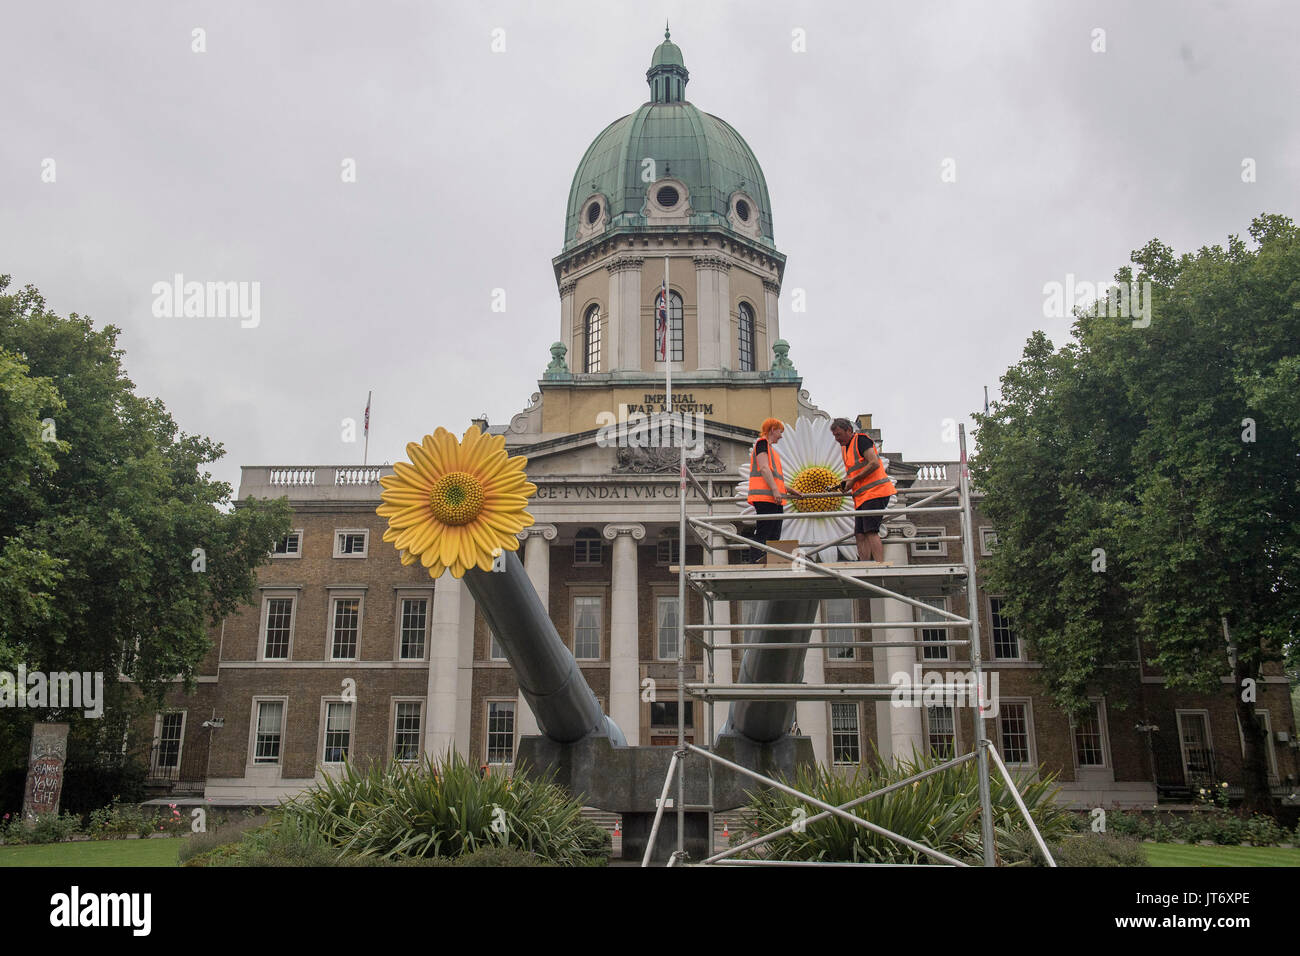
[725,185]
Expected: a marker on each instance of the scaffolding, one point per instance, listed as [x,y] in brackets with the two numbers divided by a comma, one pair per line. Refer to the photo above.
[805,578]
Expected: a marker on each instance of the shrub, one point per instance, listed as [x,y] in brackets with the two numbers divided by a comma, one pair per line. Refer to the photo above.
[940,811]
[1075,849]
[222,833]
[394,811]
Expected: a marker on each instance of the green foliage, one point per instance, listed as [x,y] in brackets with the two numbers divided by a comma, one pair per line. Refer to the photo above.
[97,527]
[1137,441]
[397,811]
[1078,849]
[1211,824]
[940,811]
[221,832]
[47,828]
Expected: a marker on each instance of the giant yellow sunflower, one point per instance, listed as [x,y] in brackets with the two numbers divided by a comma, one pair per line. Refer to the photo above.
[456,503]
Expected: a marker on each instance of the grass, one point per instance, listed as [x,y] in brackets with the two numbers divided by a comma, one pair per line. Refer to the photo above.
[159,852]
[1178,854]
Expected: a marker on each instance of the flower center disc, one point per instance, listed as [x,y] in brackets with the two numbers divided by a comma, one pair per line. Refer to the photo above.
[457,498]
[812,480]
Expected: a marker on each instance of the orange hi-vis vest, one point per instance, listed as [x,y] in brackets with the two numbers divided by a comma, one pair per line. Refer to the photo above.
[758,489]
[864,481]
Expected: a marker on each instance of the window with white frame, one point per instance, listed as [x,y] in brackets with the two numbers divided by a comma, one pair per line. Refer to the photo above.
[1014,732]
[169,731]
[1006,646]
[988,540]
[338,731]
[839,611]
[591,340]
[846,745]
[934,649]
[500,737]
[290,546]
[923,548]
[350,543]
[1270,754]
[495,651]
[269,731]
[675,337]
[406,730]
[586,627]
[278,630]
[666,628]
[941,732]
[414,626]
[1090,738]
[745,337]
[669,549]
[587,549]
[345,628]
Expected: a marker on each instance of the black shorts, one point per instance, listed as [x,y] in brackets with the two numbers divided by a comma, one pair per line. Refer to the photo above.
[870,524]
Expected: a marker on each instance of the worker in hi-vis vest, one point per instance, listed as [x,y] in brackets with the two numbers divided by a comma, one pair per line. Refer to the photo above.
[767,491]
[866,480]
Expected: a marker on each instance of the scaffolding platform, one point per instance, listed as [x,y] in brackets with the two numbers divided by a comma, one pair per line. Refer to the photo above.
[739,582]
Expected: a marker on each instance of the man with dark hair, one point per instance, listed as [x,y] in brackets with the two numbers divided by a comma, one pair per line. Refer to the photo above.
[867,482]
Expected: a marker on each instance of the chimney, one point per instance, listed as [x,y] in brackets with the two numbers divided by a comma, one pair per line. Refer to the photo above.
[481,422]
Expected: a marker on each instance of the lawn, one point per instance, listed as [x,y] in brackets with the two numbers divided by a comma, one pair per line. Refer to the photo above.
[1178,854]
[159,852]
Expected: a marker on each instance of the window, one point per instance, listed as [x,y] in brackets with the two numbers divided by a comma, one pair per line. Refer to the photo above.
[988,540]
[406,730]
[939,652]
[591,339]
[495,651]
[167,746]
[921,548]
[669,550]
[1013,732]
[667,196]
[338,731]
[667,628]
[290,546]
[1089,741]
[586,628]
[1269,753]
[1197,753]
[346,629]
[1005,645]
[500,731]
[845,745]
[279,628]
[742,210]
[745,330]
[664,714]
[593,213]
[350,543]
[940,732]
[839,611]
[586,548]
[414,626]
[270,727]
[675,347]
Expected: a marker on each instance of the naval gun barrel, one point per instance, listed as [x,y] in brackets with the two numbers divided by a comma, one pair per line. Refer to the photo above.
[549,679]
[765,721]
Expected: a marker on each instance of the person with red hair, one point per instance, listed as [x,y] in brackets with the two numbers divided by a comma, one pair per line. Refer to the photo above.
[767,490]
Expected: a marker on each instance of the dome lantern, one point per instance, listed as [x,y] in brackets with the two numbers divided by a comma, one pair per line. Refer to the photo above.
[667,75]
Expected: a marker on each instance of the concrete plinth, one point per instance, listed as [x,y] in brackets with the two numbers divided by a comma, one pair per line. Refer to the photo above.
[636,832]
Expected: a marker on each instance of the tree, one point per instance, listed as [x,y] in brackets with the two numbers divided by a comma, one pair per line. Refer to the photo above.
[103,501]
[1174,448]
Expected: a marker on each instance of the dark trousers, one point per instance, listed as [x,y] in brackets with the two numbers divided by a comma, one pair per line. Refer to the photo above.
[765,531]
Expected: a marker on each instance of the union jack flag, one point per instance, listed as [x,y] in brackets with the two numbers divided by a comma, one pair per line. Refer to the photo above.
[661,324]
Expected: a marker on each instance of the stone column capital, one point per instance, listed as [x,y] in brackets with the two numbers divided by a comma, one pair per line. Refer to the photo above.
[568,288]
[624,262]
[771,286]
[547,531]
[900,528]
[720,263]
[636,531]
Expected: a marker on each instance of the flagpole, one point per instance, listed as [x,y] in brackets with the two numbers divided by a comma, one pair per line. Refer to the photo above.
[365,459]
[668,343]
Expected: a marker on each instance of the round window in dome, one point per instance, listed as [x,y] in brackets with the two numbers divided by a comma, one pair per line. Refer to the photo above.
[593,213]
[667,196]
[742,210]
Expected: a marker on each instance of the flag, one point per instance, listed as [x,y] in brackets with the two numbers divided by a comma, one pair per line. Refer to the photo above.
[366,432]
[661,324]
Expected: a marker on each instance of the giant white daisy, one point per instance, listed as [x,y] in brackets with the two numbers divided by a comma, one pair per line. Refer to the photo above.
[812,462]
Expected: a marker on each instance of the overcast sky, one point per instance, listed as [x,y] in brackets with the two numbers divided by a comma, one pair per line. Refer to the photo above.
[226,165]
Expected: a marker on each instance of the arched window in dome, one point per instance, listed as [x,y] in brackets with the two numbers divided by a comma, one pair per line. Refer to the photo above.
[591,340]
[676,351]
[745,337]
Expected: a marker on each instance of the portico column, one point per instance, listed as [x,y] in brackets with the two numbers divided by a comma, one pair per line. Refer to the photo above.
[771,297]
[537,563]
[811,714]
[447,716]
[624,627]
[722,658]
[566,322]
[900,727]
